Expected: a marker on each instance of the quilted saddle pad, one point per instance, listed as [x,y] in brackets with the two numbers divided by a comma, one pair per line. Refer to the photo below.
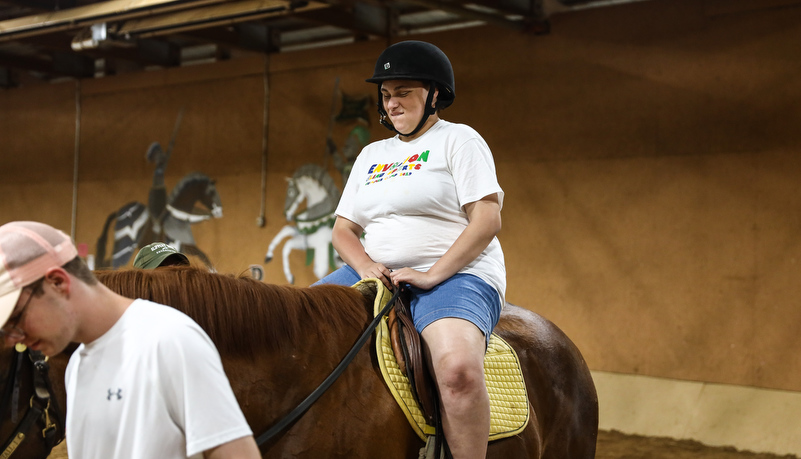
[509,409]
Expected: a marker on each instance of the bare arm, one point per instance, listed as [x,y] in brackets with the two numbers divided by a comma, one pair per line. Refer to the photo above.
[345,238]
[484,222]
[241,448]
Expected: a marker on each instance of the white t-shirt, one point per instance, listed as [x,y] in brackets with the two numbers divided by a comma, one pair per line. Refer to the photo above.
[409,198]
[151,387]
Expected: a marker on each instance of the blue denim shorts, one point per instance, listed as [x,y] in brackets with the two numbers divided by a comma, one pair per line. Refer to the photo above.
[463,296]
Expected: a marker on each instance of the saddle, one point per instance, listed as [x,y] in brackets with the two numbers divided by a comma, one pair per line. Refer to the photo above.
[408,352]
[509,406]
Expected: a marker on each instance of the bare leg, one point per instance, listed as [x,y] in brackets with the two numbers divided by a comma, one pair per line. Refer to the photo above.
[456,356]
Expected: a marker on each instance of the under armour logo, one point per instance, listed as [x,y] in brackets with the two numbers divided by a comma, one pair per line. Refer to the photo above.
[111,393]
[386,66]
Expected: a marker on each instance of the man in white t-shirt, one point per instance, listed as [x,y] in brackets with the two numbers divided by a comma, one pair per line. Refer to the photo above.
[146,381]
[428,203]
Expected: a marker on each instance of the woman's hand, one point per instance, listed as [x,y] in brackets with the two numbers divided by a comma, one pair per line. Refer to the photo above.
[375,270]
[413,277]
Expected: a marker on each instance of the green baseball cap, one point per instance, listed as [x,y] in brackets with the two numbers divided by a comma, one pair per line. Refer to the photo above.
[156,254]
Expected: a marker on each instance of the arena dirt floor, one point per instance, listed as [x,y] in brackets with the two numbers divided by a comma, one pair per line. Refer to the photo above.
[615,445]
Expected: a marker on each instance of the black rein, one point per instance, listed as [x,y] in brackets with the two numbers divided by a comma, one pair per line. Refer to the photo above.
[305,404]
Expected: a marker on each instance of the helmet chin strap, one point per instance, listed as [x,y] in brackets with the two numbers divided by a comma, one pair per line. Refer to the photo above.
[430,110]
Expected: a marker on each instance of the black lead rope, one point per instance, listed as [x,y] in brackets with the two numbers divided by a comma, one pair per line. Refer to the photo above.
[16,387]
[305,404]
[43,391]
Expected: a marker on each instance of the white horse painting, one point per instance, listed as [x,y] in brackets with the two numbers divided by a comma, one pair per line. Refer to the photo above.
[313,226]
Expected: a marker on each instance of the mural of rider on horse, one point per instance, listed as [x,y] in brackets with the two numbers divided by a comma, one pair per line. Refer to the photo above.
[166,218]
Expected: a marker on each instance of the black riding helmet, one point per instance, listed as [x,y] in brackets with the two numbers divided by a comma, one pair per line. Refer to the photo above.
[420,61]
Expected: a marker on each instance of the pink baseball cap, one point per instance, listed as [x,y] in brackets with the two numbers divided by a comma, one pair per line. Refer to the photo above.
[27,251]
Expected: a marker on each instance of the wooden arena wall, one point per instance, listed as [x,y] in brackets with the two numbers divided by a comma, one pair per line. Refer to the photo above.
[649,153]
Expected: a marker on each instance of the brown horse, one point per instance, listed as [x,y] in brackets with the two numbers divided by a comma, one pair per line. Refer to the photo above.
[278,343]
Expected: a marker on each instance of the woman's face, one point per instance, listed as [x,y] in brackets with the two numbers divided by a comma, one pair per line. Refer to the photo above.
[404,101]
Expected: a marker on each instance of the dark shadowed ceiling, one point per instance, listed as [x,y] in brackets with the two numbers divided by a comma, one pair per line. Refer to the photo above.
[53,39]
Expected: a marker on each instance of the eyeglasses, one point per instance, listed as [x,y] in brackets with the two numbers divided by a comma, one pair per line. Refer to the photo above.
[11,329]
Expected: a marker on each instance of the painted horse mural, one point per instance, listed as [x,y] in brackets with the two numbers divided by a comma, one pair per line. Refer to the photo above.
[313,186]
[278,343]
[193,200]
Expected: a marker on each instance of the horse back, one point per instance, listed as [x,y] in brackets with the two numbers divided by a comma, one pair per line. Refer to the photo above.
[562,397]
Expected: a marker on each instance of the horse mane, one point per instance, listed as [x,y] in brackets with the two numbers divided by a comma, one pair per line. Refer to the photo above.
[321,176]
[188,179]
[241,314]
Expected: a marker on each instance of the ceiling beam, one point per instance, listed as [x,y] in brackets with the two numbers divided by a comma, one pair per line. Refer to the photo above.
[82,16]
[459,9]
[229,13]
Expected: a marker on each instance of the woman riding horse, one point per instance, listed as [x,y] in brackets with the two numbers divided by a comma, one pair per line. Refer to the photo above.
[429,206]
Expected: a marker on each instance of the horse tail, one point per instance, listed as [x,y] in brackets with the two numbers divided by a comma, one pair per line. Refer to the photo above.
[100,249]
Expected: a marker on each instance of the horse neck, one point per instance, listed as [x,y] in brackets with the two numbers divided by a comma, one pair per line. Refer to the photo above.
[241,314]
